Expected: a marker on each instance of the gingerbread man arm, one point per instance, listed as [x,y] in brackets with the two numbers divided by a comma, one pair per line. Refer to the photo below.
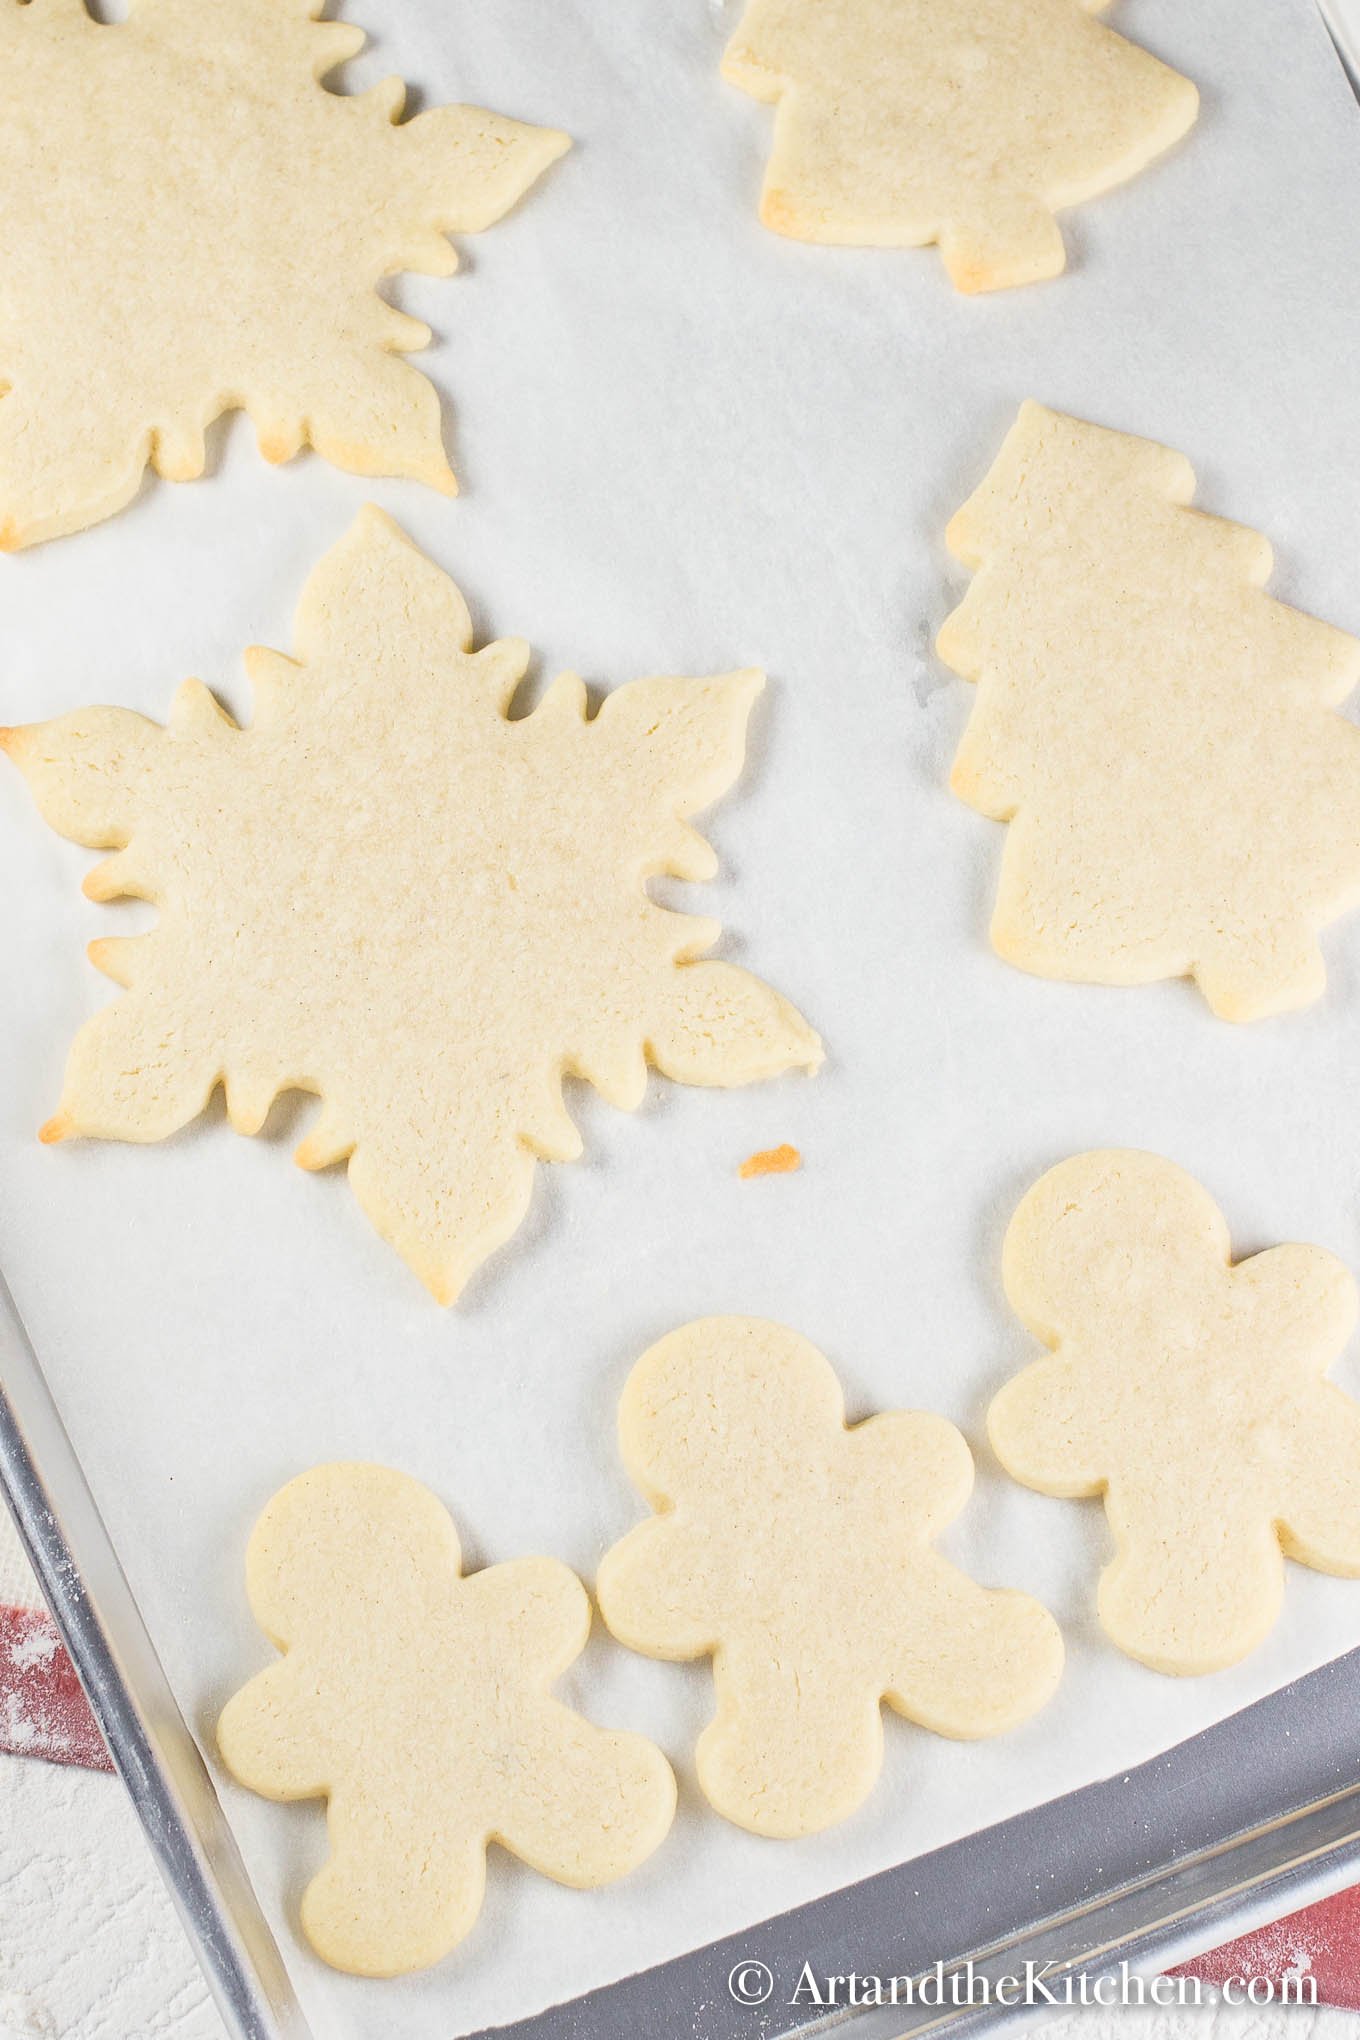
[1306,1298]
[267,1733]
[920,1466]
[1044,1432]
[535,1615]
[653,1594]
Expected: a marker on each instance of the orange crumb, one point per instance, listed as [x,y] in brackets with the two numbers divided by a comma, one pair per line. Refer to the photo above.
[780,1161]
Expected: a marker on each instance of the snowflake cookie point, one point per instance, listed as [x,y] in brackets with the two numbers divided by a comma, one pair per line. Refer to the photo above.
[115,361]
[796,1551]
[1189,1391]
[416,1699]
[1118,638]
[898,127]
[388,892]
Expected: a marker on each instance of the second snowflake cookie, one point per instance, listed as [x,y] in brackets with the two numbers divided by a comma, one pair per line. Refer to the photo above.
[388,892]
[796,1550]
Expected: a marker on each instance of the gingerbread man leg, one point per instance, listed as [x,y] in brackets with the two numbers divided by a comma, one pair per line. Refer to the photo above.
[400,1890]
[1197,1583]
[794,1746]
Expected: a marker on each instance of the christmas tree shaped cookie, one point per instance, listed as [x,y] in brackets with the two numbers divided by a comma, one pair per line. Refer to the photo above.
[194,223]
[1188,1391]
[1158,731]
[797,1551]
[967,122]
[387,892]
[416,1701]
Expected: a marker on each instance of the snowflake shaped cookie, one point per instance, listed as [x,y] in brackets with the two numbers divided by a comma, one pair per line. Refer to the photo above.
[1188,1391]
[967,122]
[417,1702]
[387,892]
[193,223]
[1159,732]
[797,1551]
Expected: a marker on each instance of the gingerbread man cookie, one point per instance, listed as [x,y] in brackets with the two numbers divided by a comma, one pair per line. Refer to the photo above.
[1188,1391]
[416,1702]
[796,1550]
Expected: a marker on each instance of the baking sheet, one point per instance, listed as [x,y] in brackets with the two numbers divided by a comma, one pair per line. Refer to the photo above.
[684,445]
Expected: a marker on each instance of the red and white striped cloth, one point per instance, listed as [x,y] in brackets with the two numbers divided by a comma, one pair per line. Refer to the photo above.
[43,1714]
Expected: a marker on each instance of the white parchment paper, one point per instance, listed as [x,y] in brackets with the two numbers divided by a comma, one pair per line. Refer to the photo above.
[686,444]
